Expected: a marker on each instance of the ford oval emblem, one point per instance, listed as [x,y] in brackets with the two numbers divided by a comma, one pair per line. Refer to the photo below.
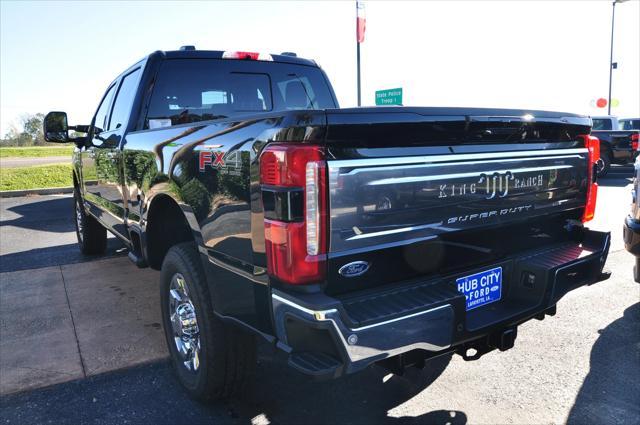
[354,269]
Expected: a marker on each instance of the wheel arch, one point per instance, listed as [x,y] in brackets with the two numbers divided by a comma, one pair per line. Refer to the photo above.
[167,222]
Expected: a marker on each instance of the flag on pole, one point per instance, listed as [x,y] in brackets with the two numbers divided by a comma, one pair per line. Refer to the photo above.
[361,21]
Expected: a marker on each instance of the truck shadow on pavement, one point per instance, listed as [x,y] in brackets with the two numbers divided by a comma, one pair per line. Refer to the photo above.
[618,176]
[54,218]
[614,181]
[55,256]
[281,395]
[50,215]
[151,394]
[610,390]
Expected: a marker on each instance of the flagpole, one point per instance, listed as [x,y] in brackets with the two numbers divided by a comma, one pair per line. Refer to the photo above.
[358,47]
[358,53]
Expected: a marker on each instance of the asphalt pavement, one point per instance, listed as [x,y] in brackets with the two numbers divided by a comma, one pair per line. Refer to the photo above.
[580,366]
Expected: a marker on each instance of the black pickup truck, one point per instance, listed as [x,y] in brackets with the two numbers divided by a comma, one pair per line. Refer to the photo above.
[343,237]
[617,146]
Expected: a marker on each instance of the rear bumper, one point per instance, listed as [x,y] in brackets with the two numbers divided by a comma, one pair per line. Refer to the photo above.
[328,337]
[631,235]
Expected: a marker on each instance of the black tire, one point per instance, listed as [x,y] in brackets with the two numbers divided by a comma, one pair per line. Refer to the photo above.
[605,156]
[92,236]
[227,358]
[636,270]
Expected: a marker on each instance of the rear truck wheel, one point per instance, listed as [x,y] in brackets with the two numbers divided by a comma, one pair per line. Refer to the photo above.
[605,163]
[211,359]
[92,236]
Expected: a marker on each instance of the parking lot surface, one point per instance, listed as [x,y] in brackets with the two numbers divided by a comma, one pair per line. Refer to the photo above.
[71,318]
[38,231]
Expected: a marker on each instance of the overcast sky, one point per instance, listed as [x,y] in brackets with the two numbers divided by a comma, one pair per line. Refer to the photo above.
[532,55]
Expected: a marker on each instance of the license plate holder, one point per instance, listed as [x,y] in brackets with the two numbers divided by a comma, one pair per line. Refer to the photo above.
[481,288]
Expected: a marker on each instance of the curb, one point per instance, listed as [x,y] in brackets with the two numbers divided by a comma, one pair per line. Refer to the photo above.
[27,192]
[41,191]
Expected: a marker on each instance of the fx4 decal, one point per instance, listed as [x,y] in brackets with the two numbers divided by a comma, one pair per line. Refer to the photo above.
[230,164]
[215,159]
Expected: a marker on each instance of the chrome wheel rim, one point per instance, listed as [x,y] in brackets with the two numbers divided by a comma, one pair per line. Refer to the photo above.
[184,324]
[600,165]
[79,220]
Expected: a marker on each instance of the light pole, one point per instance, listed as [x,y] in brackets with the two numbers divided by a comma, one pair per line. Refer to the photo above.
[613,18]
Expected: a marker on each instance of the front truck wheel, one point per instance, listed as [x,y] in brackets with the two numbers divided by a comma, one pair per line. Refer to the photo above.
[92,236]
[211,359]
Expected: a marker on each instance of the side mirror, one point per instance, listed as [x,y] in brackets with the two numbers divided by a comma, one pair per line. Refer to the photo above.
[56,129]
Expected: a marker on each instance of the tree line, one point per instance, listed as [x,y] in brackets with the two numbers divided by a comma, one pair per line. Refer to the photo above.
[31,134]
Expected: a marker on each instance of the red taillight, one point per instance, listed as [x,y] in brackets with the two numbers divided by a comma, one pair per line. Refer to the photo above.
[635,141]
[254,56]
[593,145]
[293,179]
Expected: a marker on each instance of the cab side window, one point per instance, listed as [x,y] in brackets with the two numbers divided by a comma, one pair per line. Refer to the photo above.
[103,110]
[124,100]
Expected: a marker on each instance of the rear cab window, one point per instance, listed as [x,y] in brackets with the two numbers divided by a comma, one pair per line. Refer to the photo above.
[601,124]
[192,90]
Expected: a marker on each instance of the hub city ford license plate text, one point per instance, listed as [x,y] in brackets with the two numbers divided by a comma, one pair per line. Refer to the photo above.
[481,288]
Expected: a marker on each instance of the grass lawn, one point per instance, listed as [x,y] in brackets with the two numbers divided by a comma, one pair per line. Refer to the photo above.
[36,177]
[36,151]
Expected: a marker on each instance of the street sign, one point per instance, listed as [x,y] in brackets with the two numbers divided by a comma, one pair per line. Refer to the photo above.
[389,97]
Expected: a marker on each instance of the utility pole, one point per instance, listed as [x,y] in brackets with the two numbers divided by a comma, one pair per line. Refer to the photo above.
[613,18]
[611,65]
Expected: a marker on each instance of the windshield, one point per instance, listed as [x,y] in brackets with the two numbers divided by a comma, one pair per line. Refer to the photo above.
[630,124]
[191,90]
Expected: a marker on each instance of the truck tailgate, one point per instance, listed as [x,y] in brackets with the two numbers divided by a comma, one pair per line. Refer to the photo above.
[398,199]
[468,202]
